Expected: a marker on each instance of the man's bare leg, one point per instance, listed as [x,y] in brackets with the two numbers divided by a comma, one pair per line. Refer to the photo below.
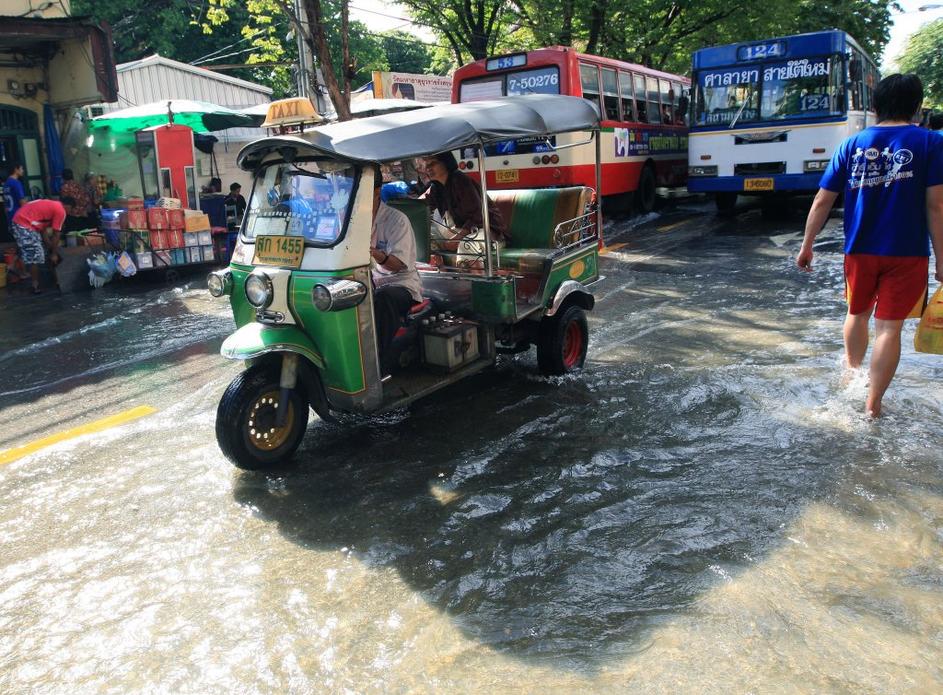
[856,338]
[884,362]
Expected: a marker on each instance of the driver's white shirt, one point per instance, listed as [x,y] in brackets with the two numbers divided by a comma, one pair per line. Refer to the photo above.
[393,234]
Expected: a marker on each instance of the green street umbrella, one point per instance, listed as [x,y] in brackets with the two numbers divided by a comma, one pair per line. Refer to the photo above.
[202,116]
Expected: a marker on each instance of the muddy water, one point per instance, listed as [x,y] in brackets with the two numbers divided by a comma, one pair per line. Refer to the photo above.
[704,508]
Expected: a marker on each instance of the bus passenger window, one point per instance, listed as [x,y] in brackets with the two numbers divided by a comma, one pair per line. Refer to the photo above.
[610,94]
[589,79]
[680,104]
[625,89]
[640,102]
[667,101]
[654,108]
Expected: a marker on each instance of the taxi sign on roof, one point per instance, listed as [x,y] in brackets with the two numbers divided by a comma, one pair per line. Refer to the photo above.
[294,111]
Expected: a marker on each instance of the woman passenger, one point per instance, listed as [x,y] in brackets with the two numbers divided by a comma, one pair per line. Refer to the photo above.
[456,196]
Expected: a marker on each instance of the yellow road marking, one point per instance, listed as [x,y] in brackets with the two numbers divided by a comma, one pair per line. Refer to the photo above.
[669,227]
[613,247]
[19,452]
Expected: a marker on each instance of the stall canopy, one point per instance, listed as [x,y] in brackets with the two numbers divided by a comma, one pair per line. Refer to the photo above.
[201,116]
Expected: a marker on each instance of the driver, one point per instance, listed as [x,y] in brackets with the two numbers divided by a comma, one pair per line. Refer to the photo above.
[397,283]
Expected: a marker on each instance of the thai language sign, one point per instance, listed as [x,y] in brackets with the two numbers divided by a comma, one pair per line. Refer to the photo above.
[404,85]
[631,142]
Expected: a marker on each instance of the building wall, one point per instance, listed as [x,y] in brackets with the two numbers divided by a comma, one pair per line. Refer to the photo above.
[24,8]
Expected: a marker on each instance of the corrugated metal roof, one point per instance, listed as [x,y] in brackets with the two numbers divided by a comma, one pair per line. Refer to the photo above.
[155,78]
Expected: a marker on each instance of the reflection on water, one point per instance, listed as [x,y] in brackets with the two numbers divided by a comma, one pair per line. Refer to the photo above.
[703,508]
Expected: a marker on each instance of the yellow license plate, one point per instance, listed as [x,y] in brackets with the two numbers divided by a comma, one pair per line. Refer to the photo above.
[507,176]
[758,184]
[280,251]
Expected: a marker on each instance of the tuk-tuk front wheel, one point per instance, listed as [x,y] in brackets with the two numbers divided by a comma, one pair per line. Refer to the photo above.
[246,421]
[562,342]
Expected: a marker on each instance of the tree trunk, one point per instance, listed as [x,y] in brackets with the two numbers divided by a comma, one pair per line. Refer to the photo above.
[596,17]
[345,47]
[566,28]
[319,46]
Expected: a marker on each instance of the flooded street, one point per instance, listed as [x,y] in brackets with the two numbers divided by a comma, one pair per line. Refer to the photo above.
[704,508]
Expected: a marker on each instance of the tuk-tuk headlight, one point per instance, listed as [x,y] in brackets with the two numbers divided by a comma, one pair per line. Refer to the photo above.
[219,283]
[259,290]
[337,295]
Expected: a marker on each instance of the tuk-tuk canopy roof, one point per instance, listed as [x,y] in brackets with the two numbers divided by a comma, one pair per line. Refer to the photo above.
[396,136]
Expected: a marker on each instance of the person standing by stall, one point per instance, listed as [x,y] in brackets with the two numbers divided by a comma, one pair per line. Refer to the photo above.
[14,193]
[35,222]
[78,217]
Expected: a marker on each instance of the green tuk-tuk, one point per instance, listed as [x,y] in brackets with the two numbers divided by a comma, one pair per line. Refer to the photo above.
[300,287]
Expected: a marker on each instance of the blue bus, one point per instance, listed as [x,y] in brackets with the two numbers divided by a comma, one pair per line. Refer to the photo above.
[766,116]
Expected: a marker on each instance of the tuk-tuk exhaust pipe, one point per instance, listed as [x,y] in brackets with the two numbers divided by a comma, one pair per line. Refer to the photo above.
[286,383]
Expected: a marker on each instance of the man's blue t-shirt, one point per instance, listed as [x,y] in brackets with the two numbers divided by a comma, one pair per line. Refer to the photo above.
[885,172]
[13,193]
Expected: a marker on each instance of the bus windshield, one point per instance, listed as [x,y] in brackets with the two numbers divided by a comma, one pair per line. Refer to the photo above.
[805,88]
[308,199]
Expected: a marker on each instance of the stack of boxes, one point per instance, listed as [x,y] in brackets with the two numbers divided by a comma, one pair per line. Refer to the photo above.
[161,237]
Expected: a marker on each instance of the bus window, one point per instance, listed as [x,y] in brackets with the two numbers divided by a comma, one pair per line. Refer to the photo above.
[654,108]
[610,94]
[476,90]
[640,102]
[589,79]
[625,89]
[792,93]
[667,101]
[855,88]
[677,111]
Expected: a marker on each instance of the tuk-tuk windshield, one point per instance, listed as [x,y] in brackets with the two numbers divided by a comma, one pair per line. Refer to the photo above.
[309,199]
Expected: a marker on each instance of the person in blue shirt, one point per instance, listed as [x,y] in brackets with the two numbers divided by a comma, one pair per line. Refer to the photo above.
[892,178]
[14,193]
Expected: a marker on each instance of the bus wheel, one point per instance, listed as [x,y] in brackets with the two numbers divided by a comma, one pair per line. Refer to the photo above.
[726,203]
[246,426]
[562,342]
[645,194]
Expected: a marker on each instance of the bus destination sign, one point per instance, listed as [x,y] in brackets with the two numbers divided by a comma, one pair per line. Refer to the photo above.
[758,51]
[505,62]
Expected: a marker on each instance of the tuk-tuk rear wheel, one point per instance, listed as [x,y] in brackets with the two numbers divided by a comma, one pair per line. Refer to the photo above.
[246,426]
[563,341]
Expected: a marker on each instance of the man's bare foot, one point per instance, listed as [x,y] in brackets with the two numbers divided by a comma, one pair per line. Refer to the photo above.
[873,409]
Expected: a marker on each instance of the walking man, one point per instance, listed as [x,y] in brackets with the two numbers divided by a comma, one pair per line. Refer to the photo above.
[893,208]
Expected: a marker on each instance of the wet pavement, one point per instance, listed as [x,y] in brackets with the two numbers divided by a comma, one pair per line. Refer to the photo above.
[703,508]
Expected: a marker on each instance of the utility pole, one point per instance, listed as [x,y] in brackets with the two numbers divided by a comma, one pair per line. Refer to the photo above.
[302,82]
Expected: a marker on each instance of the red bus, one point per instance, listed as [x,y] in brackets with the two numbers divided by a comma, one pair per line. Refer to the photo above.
[644,123]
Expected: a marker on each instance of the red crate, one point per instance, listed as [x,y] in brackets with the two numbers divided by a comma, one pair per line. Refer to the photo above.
[157,219]
[174,238]
[175,219]
[158,240]
[137,219]
[135,203]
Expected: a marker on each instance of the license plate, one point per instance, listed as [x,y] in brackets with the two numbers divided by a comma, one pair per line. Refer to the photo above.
[758,184]
[280,251]
[507,176]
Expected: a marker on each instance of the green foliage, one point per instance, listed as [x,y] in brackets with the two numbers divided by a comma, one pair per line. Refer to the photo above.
[405,53]
[924,56]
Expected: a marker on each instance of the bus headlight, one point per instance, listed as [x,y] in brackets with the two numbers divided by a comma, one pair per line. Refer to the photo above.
[259,290]
[337,295]
[813,165]
[219,283]
[703,170]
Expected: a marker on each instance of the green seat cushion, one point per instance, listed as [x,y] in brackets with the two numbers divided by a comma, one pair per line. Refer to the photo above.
[418,213]
[527,261]
[532,214]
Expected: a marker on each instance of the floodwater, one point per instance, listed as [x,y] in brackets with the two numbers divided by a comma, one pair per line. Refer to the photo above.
[703,508]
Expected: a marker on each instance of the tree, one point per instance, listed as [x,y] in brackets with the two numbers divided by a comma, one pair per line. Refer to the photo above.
[472,29]
[405,53]
[923,55]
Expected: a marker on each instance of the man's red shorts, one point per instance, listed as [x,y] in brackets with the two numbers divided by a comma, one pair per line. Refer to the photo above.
[897,284]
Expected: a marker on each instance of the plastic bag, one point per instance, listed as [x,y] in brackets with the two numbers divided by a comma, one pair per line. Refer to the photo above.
[102,268]
[125,265]
[929,335]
